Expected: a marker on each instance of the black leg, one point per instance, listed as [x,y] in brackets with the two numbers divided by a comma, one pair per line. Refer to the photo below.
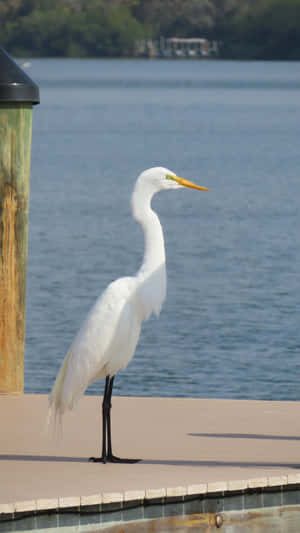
[109,446]
[105,413]
[107,455]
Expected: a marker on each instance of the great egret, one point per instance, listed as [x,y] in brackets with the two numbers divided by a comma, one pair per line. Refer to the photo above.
[108,337]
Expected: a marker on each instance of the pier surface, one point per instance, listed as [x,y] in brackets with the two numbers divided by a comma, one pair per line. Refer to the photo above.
[186,446]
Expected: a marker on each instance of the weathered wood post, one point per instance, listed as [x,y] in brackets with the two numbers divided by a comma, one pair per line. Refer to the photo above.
[17,95]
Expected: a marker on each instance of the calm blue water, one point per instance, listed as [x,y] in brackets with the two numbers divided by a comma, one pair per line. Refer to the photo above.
[231,324]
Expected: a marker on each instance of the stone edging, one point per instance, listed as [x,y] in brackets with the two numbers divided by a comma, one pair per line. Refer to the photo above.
[113,501]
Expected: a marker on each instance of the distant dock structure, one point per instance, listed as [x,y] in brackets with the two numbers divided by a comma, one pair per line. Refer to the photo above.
[177,48]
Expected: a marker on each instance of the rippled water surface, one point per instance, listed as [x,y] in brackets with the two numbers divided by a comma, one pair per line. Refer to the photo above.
[230,326]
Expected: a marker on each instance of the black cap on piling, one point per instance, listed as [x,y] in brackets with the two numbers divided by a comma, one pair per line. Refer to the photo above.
[15,85]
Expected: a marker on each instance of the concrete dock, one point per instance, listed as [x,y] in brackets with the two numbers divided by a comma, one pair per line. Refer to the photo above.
[187,447]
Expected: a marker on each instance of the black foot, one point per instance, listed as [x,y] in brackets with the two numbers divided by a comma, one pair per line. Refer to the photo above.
[112,459]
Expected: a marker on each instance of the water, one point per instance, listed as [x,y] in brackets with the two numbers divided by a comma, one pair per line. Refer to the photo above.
[230,325]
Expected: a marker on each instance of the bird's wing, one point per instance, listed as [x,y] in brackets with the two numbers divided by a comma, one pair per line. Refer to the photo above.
[101,346]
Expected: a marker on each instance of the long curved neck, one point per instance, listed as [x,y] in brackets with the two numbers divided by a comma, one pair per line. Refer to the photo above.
[152,273]
[154,250]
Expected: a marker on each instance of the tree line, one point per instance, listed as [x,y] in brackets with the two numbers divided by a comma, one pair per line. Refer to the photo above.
[244,29]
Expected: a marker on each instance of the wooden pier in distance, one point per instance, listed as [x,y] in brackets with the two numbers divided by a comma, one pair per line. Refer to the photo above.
[177,48]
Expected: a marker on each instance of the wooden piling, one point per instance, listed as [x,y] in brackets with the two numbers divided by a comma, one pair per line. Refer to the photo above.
[15,147]
[17,95]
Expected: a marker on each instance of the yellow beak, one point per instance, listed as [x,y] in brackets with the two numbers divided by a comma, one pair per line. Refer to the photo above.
[186,183]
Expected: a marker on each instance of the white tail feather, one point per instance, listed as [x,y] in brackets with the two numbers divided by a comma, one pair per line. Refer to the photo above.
[57,405]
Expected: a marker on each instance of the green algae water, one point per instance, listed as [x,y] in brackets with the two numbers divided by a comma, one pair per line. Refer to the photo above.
[284,519]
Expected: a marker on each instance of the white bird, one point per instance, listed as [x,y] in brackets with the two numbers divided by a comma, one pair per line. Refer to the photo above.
[108,337]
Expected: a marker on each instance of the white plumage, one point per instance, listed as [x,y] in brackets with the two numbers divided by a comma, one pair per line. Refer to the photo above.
[108,337]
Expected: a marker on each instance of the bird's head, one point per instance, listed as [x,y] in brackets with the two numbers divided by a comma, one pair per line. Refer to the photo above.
[158,178]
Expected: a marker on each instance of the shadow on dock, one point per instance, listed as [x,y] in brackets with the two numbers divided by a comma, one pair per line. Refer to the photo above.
[244,436]
[162,462]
